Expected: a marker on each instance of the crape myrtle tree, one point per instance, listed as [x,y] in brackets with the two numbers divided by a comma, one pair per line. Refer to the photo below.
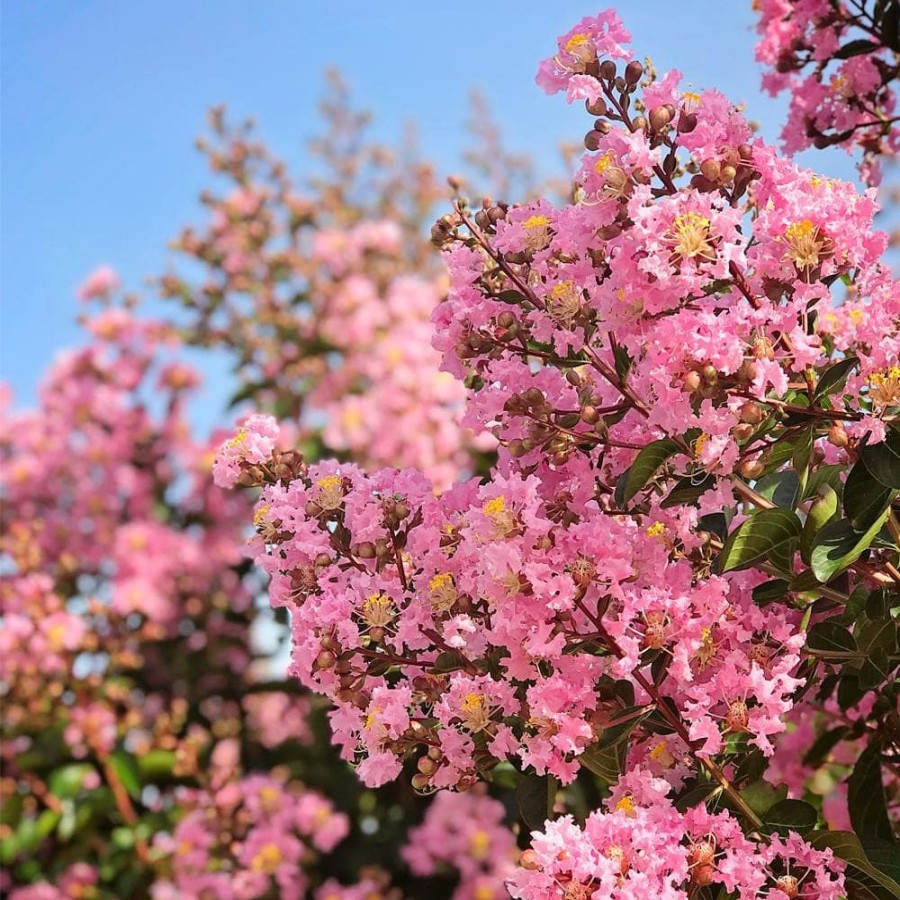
[152,745]
[668,615]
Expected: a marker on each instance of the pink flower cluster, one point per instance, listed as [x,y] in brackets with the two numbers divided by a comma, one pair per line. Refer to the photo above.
[644,847]
[246,838]
[836,64]
[325,303]
[464,833]
[468,624]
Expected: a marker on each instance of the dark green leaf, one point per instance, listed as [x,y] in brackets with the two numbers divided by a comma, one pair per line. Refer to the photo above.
[696,795]
[688,490]
[761,796]
[782,488]
[862,877]
[865,797]
[834,378]
[606,763]
[510,297]
[646,464]
[883,460]
[792,815]
[770,590]
[865,498]
[856,48]
[830,639]
[535,796]
[449,661]
[767,536]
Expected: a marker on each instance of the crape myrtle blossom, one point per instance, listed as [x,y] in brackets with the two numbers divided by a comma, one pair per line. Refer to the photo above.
[465,833]
[680,367]
[245,837]
[644,847]
[322,295]
[839,62]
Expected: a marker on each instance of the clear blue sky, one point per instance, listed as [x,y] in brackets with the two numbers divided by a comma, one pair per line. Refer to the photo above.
[102,100]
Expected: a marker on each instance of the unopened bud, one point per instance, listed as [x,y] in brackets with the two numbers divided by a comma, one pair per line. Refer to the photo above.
[608,69]
[692,381]
[837,435]
[590,415]
[710,374]
[751,413]
[325,660]
[633,72]
[592,140]
[660,116]
[752,468]
[365,550]
[711,169]
[529,860]
[687,123]
[420,782]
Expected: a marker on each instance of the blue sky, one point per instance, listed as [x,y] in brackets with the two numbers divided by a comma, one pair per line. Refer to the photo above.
[102,100]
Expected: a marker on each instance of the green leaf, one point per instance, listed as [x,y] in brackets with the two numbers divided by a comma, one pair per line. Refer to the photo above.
[830,475]
[646,464]
[863,878]
[769,535]
[510,297]
[769,591]
[822,511]
[126,767]
[761,796]
[855,48]
[607,763]
[156,764]
[535,796]
[782,488]
[449,661]
[834,378]
[838,545]
[67,781]
[865,497]
[696,795]
[876,669]
[883,460]
[865,797]
[688,490]
[830,640]
[792,815]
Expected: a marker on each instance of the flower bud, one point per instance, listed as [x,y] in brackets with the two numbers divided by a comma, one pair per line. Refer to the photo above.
[751,413]
[597,107]
[692,381]
[752,468]
[529,860]
[608,69]
[660,116]
[589,415]
[420,782]
[711,169]
[325,660]
[592,140]
[633,73]
[837,435]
